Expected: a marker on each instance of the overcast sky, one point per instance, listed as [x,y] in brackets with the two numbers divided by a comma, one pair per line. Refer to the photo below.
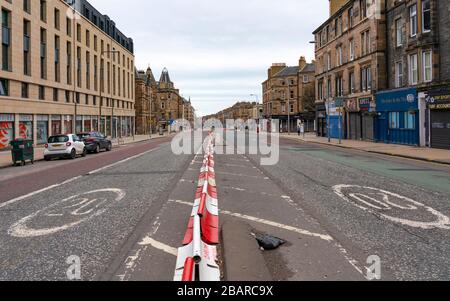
[217,52]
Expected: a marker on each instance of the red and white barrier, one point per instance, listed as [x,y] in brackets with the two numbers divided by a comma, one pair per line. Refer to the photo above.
[197,259]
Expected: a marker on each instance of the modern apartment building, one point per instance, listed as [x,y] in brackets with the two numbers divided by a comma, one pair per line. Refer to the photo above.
[63,69]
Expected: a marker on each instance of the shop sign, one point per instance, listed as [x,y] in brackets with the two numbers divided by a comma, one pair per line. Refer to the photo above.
[365,103]
[6,117]
[26,118]
[438,99]
[42,117]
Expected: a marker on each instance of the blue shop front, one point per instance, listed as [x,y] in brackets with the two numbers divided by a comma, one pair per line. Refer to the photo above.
[398,116]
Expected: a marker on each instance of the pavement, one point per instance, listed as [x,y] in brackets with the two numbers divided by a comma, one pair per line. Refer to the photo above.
[124,213]
[5,156]
[412,152]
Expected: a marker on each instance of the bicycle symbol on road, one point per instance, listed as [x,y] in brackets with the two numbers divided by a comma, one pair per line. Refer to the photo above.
[66,213]
[393,207]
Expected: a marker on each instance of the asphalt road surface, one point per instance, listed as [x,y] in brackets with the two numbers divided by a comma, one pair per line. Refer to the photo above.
[124,213]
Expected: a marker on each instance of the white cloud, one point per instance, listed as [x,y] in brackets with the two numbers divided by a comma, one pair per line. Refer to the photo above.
[217,52]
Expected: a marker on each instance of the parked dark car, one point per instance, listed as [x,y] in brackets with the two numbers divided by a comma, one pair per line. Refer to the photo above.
[95,142]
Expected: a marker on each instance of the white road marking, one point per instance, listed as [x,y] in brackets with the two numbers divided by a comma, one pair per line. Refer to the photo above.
[241,175]
[122,161]
[21,230]
[266,222]
[20,198]
[148,241]
[361,195]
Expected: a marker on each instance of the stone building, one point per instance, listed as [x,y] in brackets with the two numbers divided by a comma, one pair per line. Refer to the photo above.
[63,72]
[412,38]
[146,87]
[350,68]
[159,104]
[285,93]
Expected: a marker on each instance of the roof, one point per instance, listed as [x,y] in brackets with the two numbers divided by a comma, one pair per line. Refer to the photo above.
[288,71]
[165,77]
[309,68]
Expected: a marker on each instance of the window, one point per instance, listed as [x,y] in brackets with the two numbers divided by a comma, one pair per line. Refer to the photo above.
[398,32]
[6,40]
[328,61]
[57,60]
[57,19]
[339,56]
[79,33]
[398,74]
[427,61]
[69,27]
[4,91]
[55,94]
[41,93]
[413,20]
[366,79]
[394,120]
[351,82]
[426,16]
[26,6]
[43,54]
[363,8]
[409,120]
[25,89]
[339,86]
[352,50]
[305,79]
[413,72]
[365,42]
[26,48]
[43,11]
[350,17]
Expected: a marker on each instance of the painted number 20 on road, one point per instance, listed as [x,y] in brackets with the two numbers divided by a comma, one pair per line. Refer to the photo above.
[393,207]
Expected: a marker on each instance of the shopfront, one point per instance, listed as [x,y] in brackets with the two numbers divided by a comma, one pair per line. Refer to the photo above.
[321,120]
[6,130]
[26,127]
[353,119]
[56,125]
[79,124]
[41,129]
[336,117]
[398,117]
[68,124]
[438,101]
[87,124]
[366,108]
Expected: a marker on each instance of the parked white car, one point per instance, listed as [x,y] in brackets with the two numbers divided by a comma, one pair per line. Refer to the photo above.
[64,146]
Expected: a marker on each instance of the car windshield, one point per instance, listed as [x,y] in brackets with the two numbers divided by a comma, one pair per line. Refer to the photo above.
[58,139]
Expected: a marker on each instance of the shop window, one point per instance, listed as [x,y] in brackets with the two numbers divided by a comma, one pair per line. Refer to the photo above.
[394,120]
[410,120]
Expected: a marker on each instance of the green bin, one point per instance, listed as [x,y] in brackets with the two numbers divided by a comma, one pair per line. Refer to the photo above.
[22,150]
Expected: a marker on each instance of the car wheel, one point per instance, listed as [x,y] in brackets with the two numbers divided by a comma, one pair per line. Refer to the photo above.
[47,158]
[73,154]
[84,154]
[97,149]
[109,147]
